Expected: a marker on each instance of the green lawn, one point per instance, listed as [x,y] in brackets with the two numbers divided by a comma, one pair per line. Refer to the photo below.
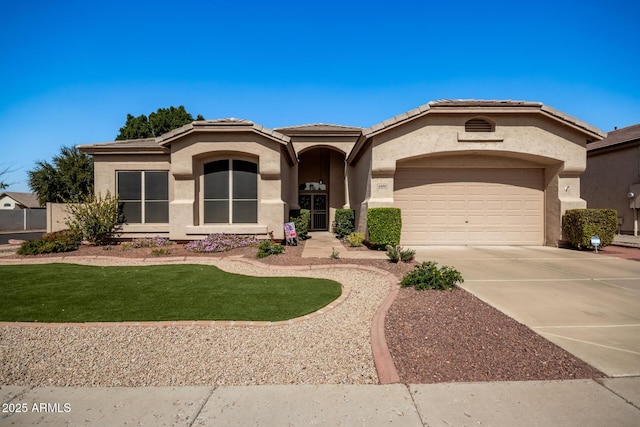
[76,293]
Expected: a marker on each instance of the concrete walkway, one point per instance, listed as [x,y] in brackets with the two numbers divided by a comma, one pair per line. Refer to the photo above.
[627,240]
[613,402]
[322,243]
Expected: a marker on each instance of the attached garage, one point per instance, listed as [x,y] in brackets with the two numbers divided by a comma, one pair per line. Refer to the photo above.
[455,206]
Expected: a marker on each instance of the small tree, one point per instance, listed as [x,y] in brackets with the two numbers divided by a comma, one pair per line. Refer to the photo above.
[96,219]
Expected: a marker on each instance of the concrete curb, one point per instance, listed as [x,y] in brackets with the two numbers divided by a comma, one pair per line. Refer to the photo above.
[385,367]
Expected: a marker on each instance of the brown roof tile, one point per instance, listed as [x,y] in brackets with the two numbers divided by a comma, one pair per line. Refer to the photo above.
[617,137]
[28,200]
[317,127]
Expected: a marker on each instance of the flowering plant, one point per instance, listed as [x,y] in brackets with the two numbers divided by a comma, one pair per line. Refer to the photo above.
[221,242]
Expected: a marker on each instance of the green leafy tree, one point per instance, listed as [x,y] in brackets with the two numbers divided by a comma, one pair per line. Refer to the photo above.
[68,178]
[162,121]
[135,128]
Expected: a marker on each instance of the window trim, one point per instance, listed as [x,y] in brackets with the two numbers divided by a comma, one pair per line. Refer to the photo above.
[143,200]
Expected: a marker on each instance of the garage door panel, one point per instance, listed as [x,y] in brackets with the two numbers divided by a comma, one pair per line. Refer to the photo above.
[471,206]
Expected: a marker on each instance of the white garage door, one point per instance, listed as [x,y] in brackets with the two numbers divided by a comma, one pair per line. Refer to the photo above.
[470,206]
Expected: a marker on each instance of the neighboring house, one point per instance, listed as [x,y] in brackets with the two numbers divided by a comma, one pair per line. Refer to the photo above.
[463,172]
[14,200]
[612,178]
[21,211]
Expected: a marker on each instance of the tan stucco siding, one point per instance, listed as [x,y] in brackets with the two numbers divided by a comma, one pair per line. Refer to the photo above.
[188,157]
[608,179]
[337,193]
[106,166]
[342,144]
[523,140]
[105,170]
[289,189]
[359,178]
[525,136]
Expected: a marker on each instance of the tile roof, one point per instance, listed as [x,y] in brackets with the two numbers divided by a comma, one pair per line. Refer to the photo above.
[617,137]
[484,104]
[318,127]
[128,145]
[227,124]
[28,200]
[160,143]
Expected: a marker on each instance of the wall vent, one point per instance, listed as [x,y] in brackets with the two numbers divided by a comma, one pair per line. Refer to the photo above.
[478,125]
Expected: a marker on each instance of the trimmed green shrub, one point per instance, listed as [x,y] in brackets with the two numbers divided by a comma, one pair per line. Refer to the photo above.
[302,220]
[580,225]
[355,239]
[384,226]
[398,253]
[344,223]
[96,219]
[267,247]
[60,241]
[428,276]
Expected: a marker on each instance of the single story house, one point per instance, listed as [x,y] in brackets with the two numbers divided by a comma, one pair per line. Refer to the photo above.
[21,211]
[612,178]
[464,172]
[16,200]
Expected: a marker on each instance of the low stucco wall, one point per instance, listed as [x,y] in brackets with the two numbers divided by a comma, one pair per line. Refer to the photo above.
[57,216]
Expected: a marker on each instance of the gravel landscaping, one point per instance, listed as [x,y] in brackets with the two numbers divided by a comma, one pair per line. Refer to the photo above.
[452,336]
[332,348]
[433,337]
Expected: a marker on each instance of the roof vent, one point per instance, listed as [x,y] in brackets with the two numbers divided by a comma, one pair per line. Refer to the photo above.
[478,125]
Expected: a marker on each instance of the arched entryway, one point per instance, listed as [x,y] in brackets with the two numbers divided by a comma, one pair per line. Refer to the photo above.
[321,184]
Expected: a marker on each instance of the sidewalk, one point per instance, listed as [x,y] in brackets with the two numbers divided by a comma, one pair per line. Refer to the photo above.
[615,402]
[626,240]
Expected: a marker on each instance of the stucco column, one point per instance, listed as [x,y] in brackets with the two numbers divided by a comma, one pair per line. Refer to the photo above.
[569,197]
[347,204]
[382,177]
[182,208]
[271,206]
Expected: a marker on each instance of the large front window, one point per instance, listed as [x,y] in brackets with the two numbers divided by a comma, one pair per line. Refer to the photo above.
[144,196]
[230,192]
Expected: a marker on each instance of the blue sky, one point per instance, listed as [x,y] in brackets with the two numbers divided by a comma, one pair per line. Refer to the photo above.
[71,70]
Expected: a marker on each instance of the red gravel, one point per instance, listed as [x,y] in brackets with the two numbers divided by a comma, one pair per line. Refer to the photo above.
[452,336]
[624,252]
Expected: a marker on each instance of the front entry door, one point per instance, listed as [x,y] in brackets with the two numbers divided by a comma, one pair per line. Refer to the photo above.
[317,204]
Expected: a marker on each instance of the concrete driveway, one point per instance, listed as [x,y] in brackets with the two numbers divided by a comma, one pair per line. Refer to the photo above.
[587,303]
